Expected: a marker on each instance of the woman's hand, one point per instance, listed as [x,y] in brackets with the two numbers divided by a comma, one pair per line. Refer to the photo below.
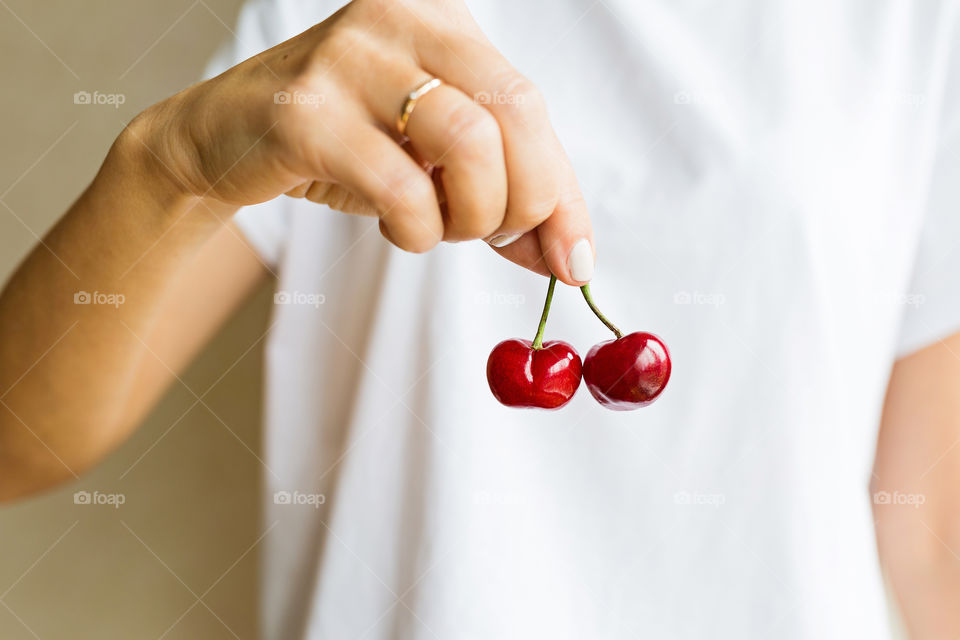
[315,117]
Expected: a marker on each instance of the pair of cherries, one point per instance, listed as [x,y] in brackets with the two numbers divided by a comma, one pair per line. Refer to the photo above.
[623,374]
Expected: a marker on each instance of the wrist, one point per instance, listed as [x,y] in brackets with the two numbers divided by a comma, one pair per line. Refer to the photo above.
[150,155]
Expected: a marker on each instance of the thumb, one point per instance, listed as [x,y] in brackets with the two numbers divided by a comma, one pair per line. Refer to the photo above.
[562,244]
[525,251]
[566,241]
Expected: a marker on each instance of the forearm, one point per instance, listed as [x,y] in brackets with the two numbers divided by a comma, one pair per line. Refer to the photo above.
[917,472]
[928,592]
[73,317]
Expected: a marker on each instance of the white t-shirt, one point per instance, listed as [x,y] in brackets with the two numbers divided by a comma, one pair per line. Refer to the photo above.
[774,187]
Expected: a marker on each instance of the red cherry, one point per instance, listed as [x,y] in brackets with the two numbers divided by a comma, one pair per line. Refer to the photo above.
[521,376]
[629,372]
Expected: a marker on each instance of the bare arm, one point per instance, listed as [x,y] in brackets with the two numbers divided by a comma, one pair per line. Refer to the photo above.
[917,490]
[314,117]
[77,378]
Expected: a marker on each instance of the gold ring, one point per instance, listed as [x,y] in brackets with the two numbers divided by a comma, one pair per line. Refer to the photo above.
[411,102]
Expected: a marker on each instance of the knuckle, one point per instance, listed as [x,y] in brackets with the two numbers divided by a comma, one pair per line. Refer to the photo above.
[469,226]
[531,213]
[518,90]
[474,132]
[339,39]
[402,202]
[473,216]
[410,234]
[374,9]
[402,190]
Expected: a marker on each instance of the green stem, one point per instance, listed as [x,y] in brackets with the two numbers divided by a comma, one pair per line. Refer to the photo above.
[593,307]
[538,340]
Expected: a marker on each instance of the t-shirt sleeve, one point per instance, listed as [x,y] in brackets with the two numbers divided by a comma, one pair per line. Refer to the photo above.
[932,300]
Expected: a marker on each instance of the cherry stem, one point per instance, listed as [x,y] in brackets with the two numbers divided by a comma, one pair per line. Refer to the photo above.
[593,307]
[538,340]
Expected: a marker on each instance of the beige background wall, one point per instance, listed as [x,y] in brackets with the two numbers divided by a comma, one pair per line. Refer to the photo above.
[83,571]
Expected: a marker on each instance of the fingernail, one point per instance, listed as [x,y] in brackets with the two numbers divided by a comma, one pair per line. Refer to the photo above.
[580,261]
[503,239]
